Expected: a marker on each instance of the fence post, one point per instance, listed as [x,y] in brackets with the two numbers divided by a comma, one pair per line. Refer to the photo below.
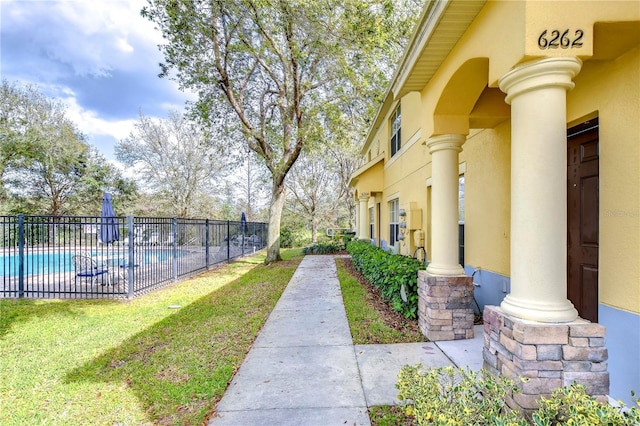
[175,248]
[228,241]
[206,242]
[20,255]
[132,260]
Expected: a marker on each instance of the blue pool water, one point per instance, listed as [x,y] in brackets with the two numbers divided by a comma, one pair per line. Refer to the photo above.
[36,263]
[51,263]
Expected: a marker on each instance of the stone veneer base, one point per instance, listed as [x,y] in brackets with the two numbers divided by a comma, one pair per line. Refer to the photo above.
[445,309]
[549,356]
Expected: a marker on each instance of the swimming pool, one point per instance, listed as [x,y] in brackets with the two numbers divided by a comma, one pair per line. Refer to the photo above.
[57,262]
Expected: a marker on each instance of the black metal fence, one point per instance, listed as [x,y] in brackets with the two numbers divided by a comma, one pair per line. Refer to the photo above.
[64,257]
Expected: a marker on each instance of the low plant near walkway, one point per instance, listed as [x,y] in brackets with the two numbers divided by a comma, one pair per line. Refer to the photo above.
[394,275]
[571,405]
[450,396]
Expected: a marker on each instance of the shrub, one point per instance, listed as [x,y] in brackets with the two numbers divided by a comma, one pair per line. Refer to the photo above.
[293,237]
[450,396]
[573,406]
[286,239]
[389,273]
[327,248]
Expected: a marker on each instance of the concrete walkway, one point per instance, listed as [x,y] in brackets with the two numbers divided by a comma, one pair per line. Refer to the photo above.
[304,369]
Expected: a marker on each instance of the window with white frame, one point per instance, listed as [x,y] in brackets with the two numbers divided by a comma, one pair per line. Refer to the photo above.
[395,131]
[461,199]
[461,219]
[394,221]
[372,221]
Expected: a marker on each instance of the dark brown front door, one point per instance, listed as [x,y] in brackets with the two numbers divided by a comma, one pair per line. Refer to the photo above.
[582,218]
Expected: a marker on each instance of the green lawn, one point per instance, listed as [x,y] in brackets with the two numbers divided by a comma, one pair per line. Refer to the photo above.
[78,362]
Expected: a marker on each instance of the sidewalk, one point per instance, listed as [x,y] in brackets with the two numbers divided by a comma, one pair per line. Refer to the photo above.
[304,369]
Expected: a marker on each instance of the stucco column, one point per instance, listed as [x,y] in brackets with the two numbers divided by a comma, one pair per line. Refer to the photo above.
[363,217]
[537,92]
[444,199]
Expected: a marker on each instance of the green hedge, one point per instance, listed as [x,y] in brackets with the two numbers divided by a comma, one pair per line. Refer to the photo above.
[388,272]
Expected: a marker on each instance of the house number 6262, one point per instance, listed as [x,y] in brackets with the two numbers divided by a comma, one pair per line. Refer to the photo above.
[556,39]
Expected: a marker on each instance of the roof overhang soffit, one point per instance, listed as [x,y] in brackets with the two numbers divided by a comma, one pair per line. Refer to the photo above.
[438,31]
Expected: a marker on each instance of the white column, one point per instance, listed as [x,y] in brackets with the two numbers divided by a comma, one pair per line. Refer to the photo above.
[444,198]
[537,92]
[363,217]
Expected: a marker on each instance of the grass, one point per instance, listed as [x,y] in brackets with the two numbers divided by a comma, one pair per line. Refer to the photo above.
[386,415]
[77,362]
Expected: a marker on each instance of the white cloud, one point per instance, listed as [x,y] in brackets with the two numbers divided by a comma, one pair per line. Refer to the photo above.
[90,123]
[99,57]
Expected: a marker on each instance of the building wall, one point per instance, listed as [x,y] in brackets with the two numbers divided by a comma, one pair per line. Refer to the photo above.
[623,345]
[405,174]
[487,198]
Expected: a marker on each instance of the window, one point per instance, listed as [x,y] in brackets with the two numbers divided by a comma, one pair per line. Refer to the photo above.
[461,199]
[372,222]
[461,219]
[395,131]
[394,224]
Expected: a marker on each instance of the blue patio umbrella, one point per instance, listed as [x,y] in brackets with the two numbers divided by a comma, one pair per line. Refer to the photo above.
[243,222]
[109,222]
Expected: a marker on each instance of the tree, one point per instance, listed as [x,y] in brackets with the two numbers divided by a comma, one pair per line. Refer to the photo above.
[23,111]
[342,156]
[312,186]
[174,159]
[47,167]
[252,185]
[275,65]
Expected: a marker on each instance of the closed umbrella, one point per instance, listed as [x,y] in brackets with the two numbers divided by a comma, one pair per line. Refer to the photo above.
[109,222]
[243,223]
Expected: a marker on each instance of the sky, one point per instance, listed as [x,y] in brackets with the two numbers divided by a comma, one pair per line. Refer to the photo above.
[99,57]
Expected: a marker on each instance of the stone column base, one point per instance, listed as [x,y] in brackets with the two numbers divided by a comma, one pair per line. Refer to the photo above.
[548,355]
[445,310]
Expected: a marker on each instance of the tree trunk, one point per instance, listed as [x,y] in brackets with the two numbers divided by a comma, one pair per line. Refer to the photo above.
[314,229]
[275,217]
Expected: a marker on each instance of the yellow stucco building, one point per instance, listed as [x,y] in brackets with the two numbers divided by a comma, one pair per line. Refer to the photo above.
[508,146]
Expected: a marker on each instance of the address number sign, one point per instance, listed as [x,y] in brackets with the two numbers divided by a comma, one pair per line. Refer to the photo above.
[557,39]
